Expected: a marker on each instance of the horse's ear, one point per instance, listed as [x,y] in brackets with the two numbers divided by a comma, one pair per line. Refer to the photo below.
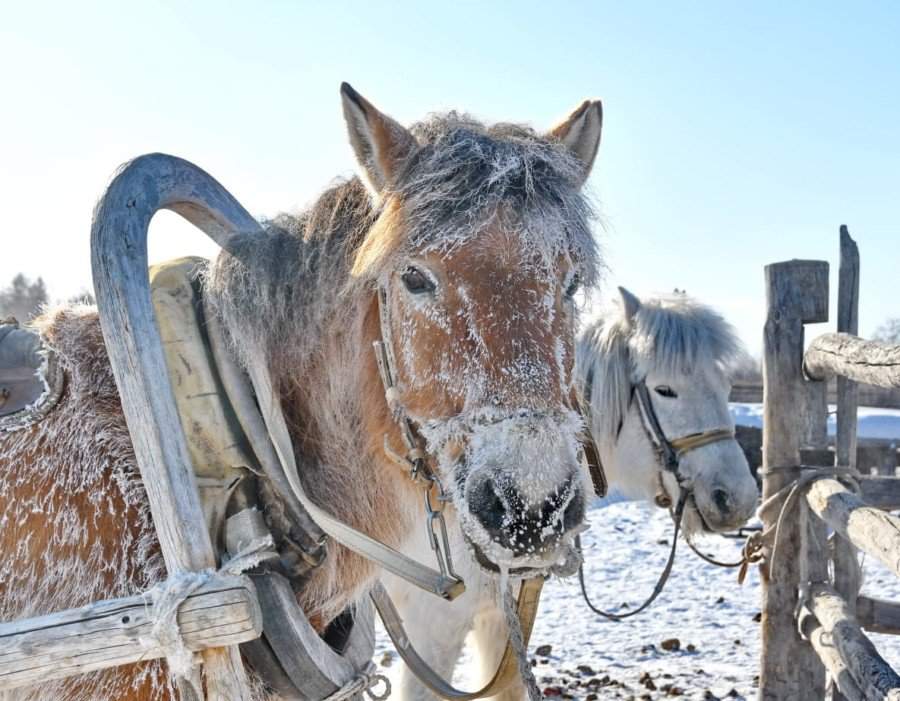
[630,303]
[580,132]
[380,144]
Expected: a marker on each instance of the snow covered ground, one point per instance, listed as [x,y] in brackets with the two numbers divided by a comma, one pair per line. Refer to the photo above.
[703,607]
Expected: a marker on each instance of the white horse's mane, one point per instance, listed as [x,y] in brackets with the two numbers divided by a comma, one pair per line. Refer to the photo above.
[670,334]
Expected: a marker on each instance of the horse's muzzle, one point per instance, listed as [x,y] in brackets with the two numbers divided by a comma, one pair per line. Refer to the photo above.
[524,529]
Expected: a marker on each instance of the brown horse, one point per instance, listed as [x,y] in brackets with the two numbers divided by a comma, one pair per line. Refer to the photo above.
[479,237]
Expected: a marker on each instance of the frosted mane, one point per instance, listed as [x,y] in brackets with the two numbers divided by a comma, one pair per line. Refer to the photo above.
[464,177]
[671,335]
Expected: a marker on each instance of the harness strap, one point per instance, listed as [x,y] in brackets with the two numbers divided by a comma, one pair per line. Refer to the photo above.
[416,461]
[698,440]
[389,558]
[271,441]
[588,446]
[713,561]
[655,430]
[660,583]
[507,671]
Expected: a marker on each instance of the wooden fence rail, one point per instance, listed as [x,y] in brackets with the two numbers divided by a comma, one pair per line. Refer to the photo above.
[841,354]
[813,620]
[224,611]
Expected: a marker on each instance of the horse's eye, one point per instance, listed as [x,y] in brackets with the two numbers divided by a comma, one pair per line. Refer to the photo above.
[416,281]
[574,286]
[666,391]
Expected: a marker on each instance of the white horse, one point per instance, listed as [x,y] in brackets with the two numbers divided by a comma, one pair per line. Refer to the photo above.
[681,352]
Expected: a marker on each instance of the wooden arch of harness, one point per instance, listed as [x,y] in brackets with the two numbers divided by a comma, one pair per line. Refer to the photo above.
[227,436]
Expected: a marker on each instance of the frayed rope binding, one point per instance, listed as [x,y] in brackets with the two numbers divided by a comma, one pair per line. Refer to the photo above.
[165,599]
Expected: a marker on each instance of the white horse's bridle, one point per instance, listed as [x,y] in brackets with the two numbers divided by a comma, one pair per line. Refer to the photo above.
[669,453]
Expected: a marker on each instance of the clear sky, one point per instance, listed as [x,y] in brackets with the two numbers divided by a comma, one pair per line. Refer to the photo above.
[735,134]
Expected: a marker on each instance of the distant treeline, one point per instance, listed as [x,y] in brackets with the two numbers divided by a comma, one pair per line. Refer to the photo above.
[23,298]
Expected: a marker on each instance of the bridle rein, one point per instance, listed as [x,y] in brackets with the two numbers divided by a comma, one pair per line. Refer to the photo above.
[669,453]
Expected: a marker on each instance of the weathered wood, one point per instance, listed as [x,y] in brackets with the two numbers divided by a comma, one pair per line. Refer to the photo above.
[796,293]
[752,393]
[847,575]
[871,530]
[878,615]
[872,674]
[104,634]
[872,362]
[847,322]
[880,492]
[119,261]
[815,418]
[322,670]
[847,581]
[847,572]
[843,684]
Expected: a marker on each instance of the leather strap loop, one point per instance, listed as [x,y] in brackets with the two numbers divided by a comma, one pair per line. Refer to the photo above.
[507,671]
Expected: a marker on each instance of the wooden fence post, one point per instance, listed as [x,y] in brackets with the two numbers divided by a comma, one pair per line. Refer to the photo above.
[796,293]
[847,575]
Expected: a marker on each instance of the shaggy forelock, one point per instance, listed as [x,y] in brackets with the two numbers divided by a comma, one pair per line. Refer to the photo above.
[468,175]
[464,177]
[671,335]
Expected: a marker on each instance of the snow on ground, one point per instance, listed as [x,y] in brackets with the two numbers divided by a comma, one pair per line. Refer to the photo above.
[703,607]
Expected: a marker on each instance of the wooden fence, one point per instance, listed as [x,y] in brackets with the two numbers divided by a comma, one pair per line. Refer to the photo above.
[813,616]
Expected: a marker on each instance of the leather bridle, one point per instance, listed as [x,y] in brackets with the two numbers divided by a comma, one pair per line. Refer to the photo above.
[415,460]
[669,453]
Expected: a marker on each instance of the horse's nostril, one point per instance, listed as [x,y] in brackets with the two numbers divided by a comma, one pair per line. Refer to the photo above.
[485,503]
[721,500]
[574,513]
[515,524]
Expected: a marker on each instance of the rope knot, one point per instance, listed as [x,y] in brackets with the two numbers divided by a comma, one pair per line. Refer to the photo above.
[165,599]
[365,682]
[784,500]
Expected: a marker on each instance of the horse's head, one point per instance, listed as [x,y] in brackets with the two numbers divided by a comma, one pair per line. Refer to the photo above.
[666,361]
[480,244]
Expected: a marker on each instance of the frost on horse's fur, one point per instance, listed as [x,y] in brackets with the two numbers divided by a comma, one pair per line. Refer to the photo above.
[74,473]
[672,334]
[466,182]
[301,298]
[673,339]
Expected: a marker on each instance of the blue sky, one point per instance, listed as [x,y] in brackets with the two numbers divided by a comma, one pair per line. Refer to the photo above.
[735,134]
